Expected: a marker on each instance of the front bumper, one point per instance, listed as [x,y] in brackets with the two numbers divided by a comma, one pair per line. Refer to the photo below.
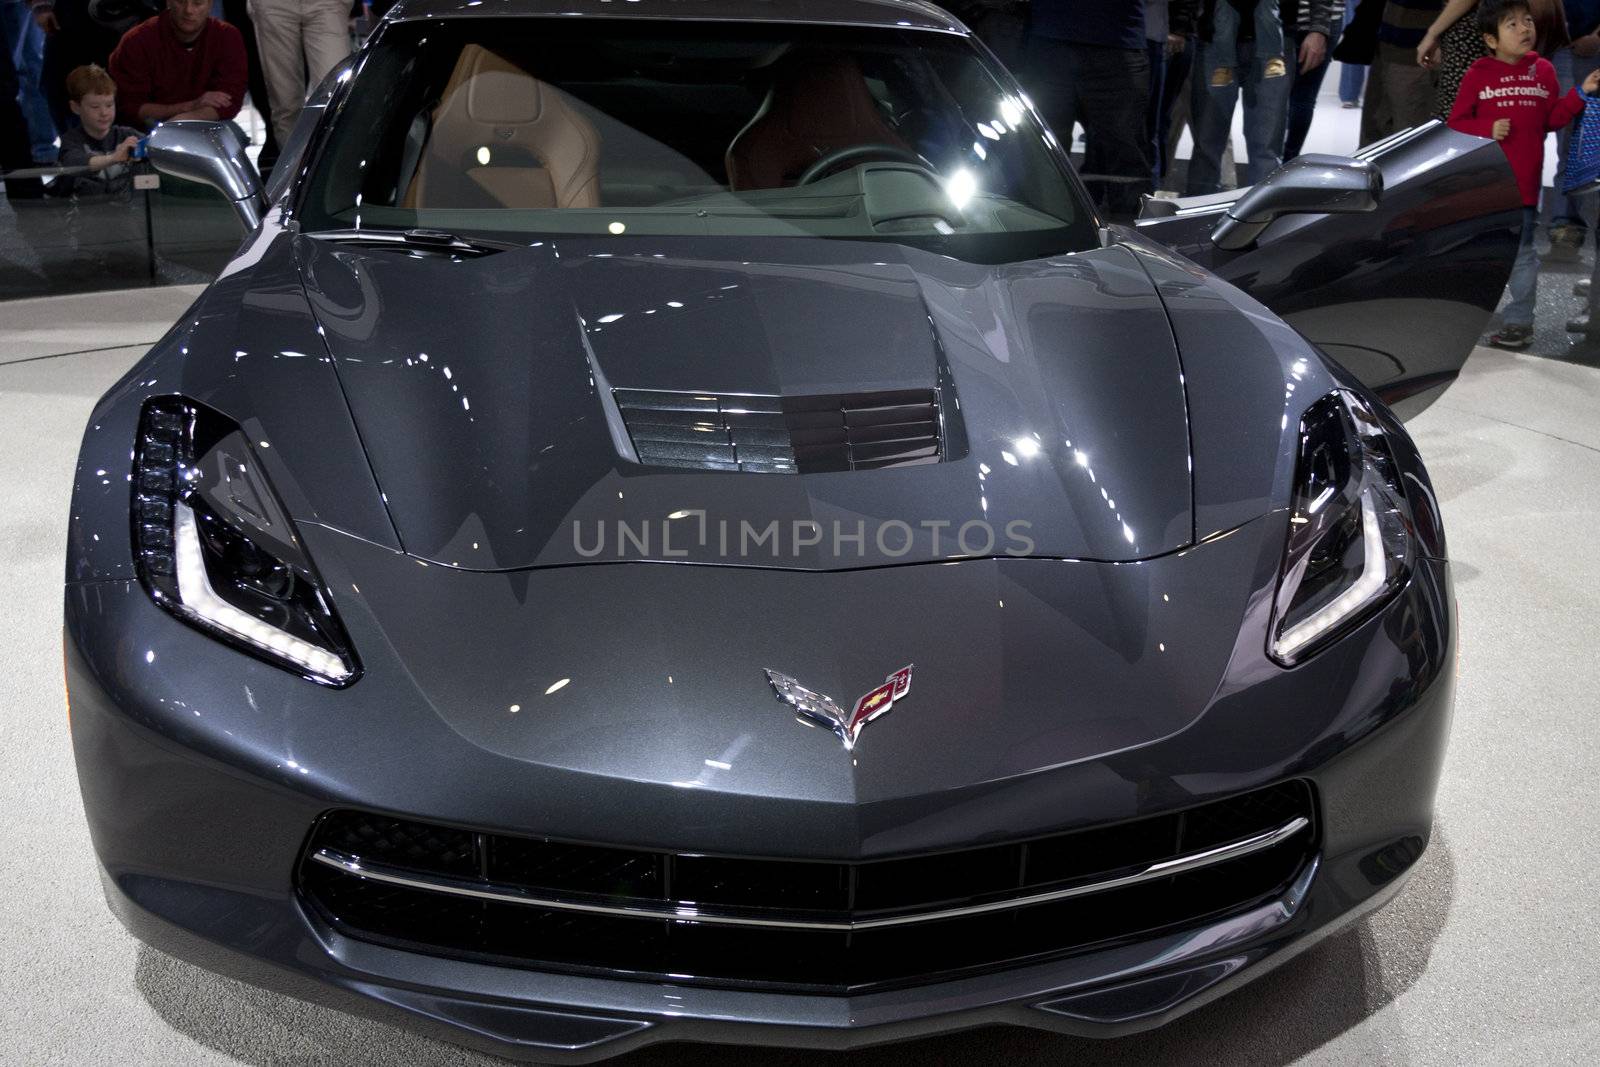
[198,835]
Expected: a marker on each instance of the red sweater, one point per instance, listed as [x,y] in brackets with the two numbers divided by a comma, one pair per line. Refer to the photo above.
[151,66]
[1528,94]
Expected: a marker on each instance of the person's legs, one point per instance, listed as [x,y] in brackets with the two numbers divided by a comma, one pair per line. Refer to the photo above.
[1111,101]
[27,54]
[327,38]
[1302,102]
[1266,110]
[1221,53]
[1157,51]
[1210,119]
[1271,43]
[1175,95]
[1002,27]
[1584,322]
[1399,94]
[15,153]
[237,12]
[1523,288]
[1377,121]
[1569,227]
[1050,74]
[277,25]
[1410,89]
[1352,78]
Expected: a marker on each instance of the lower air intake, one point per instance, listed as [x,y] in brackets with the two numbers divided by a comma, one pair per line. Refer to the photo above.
[802,925]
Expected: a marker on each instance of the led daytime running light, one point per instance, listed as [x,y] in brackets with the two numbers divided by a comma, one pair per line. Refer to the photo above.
[194,588]
[1373,576]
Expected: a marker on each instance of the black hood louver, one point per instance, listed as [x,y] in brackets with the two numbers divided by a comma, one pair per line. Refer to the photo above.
[784,434]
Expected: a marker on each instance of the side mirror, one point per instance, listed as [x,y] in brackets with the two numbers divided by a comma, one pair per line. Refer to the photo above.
[1325,185]
[210,153]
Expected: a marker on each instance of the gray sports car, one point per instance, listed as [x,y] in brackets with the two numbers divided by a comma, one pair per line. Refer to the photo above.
[681,522]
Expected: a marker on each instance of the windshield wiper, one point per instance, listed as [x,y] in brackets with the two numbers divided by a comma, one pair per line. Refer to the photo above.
[417,240]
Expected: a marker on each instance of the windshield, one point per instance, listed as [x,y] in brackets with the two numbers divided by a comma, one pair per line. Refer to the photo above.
[612,126]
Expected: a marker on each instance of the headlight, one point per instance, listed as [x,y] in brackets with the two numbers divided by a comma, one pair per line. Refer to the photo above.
[215,547]
[1350,533]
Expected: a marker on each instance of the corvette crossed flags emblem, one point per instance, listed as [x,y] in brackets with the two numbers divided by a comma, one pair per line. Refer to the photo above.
[818,709]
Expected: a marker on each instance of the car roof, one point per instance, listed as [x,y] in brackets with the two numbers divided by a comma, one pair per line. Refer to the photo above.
[905,13]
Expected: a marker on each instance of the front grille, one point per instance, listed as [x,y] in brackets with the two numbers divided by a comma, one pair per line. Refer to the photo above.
[799,924]
[782,435]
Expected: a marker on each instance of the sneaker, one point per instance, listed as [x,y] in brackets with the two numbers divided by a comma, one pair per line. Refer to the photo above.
[1579,323]
[1565,241]
[1350,105]
[1512,338]
[1581,287]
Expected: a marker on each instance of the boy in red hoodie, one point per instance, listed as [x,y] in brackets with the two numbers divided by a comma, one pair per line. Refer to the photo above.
[1513,96]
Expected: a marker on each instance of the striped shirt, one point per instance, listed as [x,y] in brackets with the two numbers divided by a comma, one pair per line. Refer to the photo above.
[1314,16]
[1299,16]
[1406,22]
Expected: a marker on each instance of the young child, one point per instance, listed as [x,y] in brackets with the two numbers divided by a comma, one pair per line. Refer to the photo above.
[1513,96]
[99,142]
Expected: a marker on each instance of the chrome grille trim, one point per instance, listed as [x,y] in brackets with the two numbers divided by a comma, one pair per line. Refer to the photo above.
[684,912]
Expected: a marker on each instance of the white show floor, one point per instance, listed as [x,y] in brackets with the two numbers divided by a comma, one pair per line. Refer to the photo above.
[1488,957]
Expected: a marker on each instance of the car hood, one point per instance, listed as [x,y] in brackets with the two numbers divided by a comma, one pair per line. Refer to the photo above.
[634,674]
[485,390]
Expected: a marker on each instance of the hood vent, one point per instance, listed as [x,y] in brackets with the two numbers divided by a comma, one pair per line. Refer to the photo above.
[783,434]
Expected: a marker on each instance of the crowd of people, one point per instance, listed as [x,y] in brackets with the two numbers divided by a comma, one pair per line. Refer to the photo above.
[1134,73]
[82,80]
[158,60]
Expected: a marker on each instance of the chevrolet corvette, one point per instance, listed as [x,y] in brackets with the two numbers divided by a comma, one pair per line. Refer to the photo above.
[682,522]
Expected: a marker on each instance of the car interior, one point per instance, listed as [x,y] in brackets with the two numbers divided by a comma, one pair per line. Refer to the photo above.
[818,133]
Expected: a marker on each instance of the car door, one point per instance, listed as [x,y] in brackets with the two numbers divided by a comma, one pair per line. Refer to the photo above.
[1398,295]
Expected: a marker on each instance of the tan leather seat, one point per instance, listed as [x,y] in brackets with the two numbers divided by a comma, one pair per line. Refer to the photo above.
[818,103]
[501,138]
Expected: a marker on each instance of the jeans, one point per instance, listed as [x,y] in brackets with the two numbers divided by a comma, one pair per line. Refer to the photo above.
[1223,48]
[1266,106]
[13,133]
[1571,69]
[25,41]
[1524,284]
[1302,99]
[1157,50]
[1352,77]
[1104,89]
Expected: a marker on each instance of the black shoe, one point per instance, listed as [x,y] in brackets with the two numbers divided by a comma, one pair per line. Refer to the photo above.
[1581,287]
[1579,324]
[1511,338]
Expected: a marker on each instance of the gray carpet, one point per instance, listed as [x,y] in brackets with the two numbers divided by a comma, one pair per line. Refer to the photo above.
[1488,957]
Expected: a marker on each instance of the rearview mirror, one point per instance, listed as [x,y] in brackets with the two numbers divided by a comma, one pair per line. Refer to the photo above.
[1325,185]
[210,153]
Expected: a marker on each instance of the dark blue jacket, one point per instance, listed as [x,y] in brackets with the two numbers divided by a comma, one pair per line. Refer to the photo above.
[1107,23]
[1583,16]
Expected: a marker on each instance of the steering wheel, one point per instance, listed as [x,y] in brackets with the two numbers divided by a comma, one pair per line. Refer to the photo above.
[844,158]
